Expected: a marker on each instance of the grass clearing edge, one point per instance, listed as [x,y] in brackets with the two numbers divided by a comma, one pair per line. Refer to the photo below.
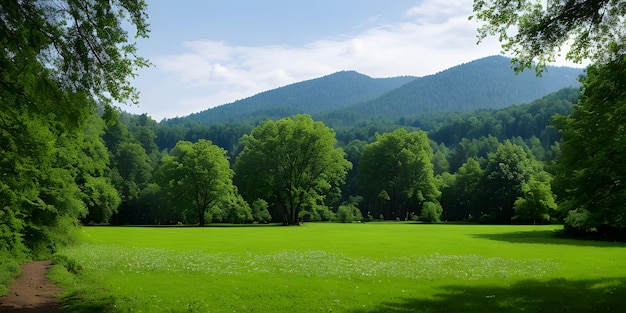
[297,264]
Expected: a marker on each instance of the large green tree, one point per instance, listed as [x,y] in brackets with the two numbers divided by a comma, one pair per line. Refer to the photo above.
[292,164]
[198,175]
[459,197]
[537,203]
[507,170]
[56,58]
[589,174]
[536,32]
[592,165]
[397,170]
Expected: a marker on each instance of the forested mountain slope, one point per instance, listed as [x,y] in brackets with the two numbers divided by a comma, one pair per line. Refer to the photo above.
[333,91]
[485,83]
[346,97]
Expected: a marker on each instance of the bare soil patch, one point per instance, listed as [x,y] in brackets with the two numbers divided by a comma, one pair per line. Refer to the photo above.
[32,292]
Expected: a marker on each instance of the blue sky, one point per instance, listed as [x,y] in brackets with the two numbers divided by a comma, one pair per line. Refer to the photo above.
[208,53]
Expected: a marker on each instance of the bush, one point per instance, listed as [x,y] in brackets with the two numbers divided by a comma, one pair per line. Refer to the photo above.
[431,212]
[325,213]
[577,222]
[259,211]
[348,214]
[238,211]
[317,213]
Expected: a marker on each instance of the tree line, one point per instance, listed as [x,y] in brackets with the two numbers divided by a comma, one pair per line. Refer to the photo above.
[506,169]
[420,172]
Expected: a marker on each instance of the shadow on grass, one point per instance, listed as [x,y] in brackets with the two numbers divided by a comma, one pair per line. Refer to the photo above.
[557,295]
[555,237]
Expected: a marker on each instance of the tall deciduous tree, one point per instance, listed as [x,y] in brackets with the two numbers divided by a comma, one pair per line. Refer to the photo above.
[508,169]
[590,174]
[537,203]
[198,175]
[592,165]
[459,198]
[291,163]
[56,57]
[397,169]
[535,33]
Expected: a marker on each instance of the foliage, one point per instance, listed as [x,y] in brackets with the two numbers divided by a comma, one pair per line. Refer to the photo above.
[198,175]
[348,213]
[525,121]
[292,164]
[259,211]
[396,172]
[590,171]
[537,203]
[56,58]
[9,268]
[537,34]
[318,213]
[431,212]
[460,198]
[83,46]
[237,211]
[507,170]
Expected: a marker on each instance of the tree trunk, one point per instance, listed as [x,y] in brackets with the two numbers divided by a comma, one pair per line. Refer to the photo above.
[201,217]
[285,217]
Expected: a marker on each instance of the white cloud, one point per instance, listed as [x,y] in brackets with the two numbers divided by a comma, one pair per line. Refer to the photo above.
[432,37]
[434,12]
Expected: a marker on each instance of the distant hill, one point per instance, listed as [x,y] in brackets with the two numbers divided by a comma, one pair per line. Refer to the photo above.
[485,83]
[346,97]
[330,92]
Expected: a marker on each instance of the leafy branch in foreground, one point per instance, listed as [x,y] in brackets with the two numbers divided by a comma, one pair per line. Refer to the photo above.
[535,33]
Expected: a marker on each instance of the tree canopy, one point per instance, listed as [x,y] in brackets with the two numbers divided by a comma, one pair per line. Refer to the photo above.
[58,59]
[198,175]
[80,45]
[397,170]
[292,164]
[537,34]
[592,166]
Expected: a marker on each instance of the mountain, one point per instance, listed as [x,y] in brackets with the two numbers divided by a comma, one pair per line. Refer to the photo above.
[333,91]
[345,97]
[484,83]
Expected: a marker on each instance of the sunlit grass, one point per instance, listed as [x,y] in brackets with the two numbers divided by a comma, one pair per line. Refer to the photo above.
[311,263]
[337,267]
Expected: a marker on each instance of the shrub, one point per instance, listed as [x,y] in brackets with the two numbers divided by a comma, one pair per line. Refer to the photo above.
[577,222]
[348,213]
[260,212]
[431,212]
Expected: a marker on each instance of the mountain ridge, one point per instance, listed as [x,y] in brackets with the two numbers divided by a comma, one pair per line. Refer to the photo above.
[340,89]
[348,96]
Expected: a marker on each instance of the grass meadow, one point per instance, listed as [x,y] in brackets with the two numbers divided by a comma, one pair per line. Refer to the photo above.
[373,267]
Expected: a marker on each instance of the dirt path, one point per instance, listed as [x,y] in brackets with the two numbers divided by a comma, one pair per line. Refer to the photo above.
[32,292]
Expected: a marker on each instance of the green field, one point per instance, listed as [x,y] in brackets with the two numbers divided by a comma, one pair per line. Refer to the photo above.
[374,267]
